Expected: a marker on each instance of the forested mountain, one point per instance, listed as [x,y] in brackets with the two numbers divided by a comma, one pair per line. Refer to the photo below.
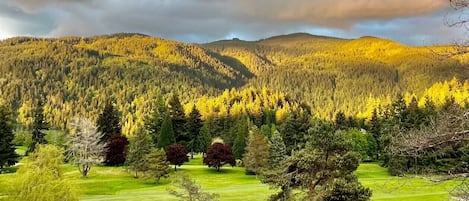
[77,76]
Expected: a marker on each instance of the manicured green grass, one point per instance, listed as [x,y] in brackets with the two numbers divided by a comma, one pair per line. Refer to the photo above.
[114,183]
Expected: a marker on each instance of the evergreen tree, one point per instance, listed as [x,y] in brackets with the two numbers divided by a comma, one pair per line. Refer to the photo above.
[176,112]
[257,152]
[156,166]
[8,155]
[400,113]
[340,121]
[39,124]
[154,122]
[415,114]
[375,130]
[277,151]
[189,190]
[166,134]
[193,126]
[294,131]
[239,145]
[140,146]
[109,123]
[203,140]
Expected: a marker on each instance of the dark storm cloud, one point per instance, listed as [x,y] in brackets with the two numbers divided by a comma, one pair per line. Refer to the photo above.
[206,20]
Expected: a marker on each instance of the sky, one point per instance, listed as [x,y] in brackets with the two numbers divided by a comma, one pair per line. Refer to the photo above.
[412,22]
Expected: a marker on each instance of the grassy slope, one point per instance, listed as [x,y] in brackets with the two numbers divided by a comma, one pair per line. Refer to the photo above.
[113,183]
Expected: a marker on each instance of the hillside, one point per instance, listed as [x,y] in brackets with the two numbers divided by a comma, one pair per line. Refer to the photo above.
[334,74]
[76,76]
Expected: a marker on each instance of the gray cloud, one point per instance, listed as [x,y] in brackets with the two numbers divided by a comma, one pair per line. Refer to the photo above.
[206,20]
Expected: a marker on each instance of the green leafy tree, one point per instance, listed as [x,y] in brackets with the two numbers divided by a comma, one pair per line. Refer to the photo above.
[193,126]
[8,155]
[156,166]
[257,152]
[39,124]
[41,178]
[166,134]
[109,123]
[140,146]
[154,122]
[189,190]
[277,151]
[176,112]
[326,157]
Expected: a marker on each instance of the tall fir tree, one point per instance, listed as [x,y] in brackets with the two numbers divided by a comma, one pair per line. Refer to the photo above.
[156,166]
[39,124]
[140,145]
[239,146]
[295,128]
[154,122]
[8,155]
[204,139]
[256,157]
[109,123]
[193,126]
[166,137]
[277,150]
[375,130]
[400,113]
[176,112]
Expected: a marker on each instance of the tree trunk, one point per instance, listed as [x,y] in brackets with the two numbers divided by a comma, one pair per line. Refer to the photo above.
[136,174]
[175,168]
[218,168]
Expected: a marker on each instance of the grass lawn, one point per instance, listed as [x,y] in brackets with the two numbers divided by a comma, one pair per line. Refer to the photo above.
[114,183]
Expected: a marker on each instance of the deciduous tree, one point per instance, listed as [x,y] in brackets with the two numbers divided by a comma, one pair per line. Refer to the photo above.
[84,147]
[116,150]
[219,154]
[41,178]
[176,154]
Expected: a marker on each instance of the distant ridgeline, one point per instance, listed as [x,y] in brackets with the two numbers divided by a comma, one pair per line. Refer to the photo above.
[77,76]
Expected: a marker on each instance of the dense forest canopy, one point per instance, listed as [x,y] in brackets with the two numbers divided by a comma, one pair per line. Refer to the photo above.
[77,76]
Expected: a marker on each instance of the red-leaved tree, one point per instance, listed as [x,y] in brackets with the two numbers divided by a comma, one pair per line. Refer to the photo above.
[176,154]
[116,150]
[218,155]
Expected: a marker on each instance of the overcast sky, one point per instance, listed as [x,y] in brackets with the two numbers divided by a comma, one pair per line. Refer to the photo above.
[413,22]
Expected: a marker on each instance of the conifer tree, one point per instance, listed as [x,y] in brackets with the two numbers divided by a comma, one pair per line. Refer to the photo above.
[277,151]
[166,137]
[8,155]
[242,133]
[203,140]
[257,152]
[156,166]
[294,130]
[140,145]
[375,130]
[193,126]
[38,126]
[176,112]
[109,123]
[154,122]
[340,121]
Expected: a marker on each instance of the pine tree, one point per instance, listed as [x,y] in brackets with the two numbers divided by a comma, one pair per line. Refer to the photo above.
[400,112]
[176,112]
[154,122]
[294,130]
[38,126]
[340,121]
[193,126]
[277,151]
[8,155]
[166,137]
[375,130]
[257,152]
[203,140]
[109,123]
[242,133]
[140,145]
[156,166]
